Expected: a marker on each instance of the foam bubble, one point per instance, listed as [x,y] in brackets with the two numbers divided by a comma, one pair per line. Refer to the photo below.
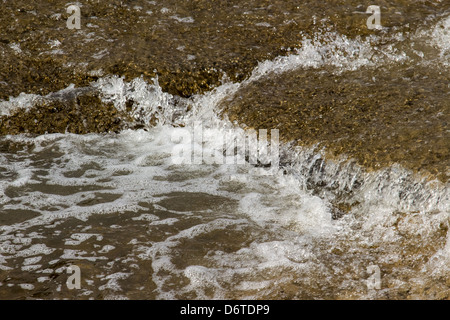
[78,238]
[26,286]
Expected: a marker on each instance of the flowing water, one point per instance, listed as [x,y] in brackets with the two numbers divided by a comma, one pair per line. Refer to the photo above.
[357,206]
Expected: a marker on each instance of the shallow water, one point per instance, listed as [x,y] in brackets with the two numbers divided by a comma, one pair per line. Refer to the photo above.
[359,194]
[139,226]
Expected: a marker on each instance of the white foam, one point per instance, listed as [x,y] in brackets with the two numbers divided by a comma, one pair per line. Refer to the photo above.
[201,278]
[43,279]
[32,260]
[31,268]
[150,100]
[283,215]
[70,254]
[22,101]
[26,286]
[113,281]
[78,238]
[15,47]
[25,102]
[146,217]
[107,248]
[183,20]
[35,249]
[290,207]
[23,178]
[168,221]
[441,38]
[436,37]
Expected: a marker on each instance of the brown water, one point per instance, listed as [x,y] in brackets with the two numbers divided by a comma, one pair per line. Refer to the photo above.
[364,157]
